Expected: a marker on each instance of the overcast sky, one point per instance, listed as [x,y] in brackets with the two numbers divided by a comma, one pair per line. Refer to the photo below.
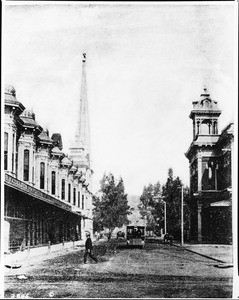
[146,63]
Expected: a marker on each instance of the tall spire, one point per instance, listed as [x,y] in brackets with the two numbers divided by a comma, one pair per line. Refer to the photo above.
[82,137]
[82,134]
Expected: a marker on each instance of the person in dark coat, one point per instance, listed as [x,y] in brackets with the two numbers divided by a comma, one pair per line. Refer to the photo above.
[168,238]
[88,249]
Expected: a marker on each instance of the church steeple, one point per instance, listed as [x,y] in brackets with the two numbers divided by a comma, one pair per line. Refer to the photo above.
[80,152]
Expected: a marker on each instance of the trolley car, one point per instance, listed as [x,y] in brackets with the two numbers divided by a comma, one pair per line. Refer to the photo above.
[135,236]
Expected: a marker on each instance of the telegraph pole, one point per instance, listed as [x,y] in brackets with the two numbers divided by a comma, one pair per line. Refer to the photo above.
[165,214]
[182,242]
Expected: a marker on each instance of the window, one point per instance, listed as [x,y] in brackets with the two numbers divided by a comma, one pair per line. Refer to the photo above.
[82,202]
[78,199]
[5,149]
[33,174]
[26,166]
[53,182]
[63,189]
[74,196]
[69,192]
[13,141]
[42,175]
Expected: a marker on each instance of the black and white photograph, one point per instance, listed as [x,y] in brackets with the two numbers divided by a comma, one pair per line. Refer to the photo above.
[119,149]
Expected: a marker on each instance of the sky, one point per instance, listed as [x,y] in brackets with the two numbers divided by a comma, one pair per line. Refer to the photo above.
[146,64]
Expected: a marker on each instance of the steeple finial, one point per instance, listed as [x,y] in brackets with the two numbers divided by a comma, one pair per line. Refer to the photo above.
[84,57]
[205,91]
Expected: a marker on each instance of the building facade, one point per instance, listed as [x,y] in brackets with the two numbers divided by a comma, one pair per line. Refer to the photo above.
[210,164]
[47,193]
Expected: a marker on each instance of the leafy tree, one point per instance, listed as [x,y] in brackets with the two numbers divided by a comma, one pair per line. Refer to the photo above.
[152,208]
[172,195]
[111,209]
[97,220]
[149,207]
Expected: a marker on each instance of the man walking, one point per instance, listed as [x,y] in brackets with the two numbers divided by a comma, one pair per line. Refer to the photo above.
[88,249]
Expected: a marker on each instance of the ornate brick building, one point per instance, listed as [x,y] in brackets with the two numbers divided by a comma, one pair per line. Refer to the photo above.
[210,157]
[47,193]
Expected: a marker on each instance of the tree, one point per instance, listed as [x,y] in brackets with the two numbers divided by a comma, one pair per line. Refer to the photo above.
[149,207]
[97,221]
[111,209]
[172,195]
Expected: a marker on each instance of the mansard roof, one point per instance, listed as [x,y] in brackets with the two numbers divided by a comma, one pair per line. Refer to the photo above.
[66,161]
[205,105]
[228,129]
[56,151]
[27,120]
[11,100]
[78,173]
[73,169]
[44,138]
[227,133]
[83,178]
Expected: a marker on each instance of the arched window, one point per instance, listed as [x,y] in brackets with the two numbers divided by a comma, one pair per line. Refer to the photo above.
[13,145]
[5,150]
[79,199]
[214,129]
[69,192]
[63,189]
[53,182]
[205,127]
[198,127]
[26,165]
[42,175]
[83,200]
[74,196]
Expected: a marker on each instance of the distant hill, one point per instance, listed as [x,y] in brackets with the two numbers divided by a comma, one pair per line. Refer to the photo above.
[133,200]
[135,217]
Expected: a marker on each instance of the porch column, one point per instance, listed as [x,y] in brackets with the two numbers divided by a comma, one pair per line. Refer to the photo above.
[199,172]
[199,222]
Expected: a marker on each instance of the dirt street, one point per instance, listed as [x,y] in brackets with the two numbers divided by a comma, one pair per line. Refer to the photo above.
[157,271]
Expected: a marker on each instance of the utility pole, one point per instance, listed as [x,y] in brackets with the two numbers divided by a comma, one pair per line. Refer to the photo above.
[182,242]
[165,222]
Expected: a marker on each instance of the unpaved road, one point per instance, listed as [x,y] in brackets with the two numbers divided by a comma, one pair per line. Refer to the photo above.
[158,271]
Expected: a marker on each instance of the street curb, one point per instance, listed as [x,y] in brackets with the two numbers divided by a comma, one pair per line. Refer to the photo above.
[209,257]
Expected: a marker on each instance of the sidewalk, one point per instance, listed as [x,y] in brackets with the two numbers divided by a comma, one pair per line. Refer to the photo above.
[22,260]
[30,257]
[218,253]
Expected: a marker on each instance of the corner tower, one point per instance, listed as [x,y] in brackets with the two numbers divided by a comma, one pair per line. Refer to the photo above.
[210,174]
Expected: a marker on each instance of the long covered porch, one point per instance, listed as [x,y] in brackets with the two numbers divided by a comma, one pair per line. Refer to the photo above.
[34,218]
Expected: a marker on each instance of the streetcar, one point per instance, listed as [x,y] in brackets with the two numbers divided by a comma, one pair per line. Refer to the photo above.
[135,235]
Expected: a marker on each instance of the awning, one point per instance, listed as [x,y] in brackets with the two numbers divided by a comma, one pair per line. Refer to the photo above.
[35,193]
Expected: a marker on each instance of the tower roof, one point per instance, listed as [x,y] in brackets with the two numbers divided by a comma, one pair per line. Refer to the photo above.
[205,105]
[43,138]
[56,151]
[11,100]
[82,134]
[27,120]
[66,161]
